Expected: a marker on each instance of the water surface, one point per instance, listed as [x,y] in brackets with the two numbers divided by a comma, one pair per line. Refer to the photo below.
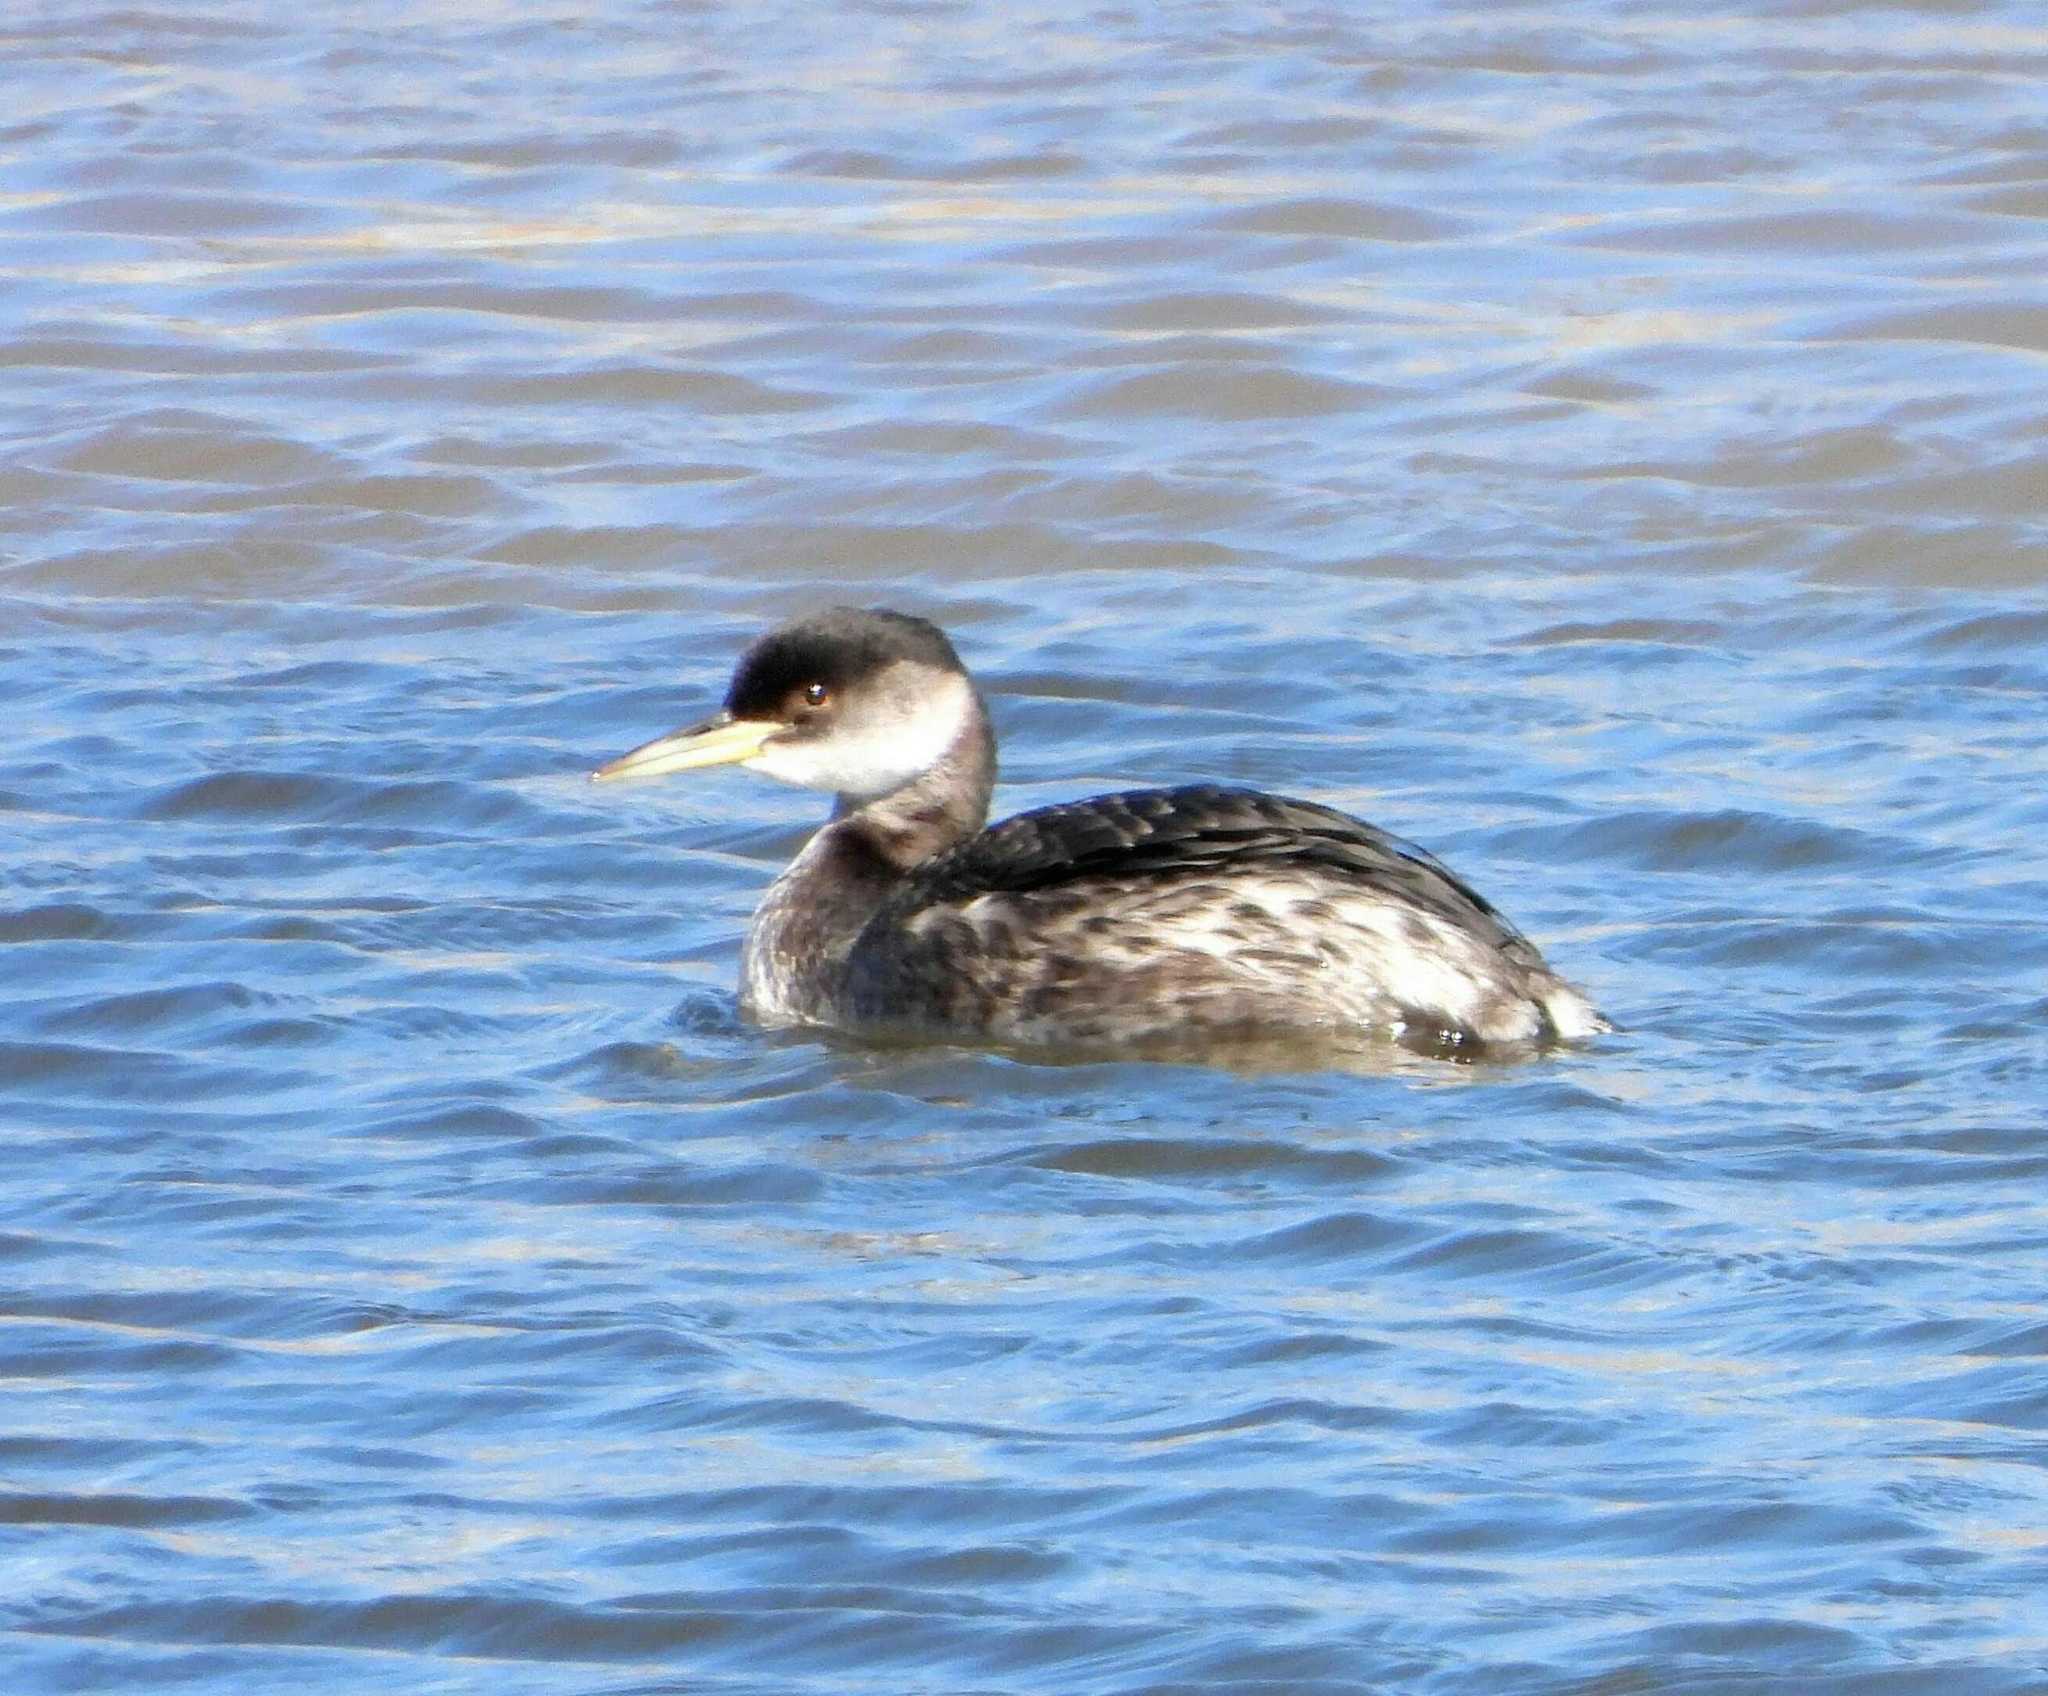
[1605,446]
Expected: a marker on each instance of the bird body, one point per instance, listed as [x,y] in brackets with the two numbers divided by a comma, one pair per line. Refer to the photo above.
[1199,912]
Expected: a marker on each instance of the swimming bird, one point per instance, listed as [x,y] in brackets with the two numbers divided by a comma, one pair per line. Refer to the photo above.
[1199,912]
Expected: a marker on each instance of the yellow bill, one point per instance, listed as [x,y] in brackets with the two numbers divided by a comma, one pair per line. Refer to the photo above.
[720,741]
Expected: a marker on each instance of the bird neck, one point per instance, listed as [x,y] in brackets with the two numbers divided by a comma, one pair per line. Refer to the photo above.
[945,804]
[793,968]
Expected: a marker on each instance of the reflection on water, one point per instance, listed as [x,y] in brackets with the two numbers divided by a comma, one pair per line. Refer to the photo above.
[1604,449]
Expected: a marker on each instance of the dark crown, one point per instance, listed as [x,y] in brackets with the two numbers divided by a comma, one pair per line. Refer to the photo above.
[839,648]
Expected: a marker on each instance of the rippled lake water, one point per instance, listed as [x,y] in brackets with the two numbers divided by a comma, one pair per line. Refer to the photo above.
[1607,445]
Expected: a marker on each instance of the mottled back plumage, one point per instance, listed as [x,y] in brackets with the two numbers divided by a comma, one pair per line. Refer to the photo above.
[1189,911]
[1195,827]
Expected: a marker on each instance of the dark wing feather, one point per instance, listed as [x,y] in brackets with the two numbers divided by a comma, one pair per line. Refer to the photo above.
[1144,833]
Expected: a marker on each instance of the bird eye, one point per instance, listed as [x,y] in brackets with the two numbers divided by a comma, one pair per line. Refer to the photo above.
[816,695]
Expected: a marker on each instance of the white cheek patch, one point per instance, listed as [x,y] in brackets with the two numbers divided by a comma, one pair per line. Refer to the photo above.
[907,719]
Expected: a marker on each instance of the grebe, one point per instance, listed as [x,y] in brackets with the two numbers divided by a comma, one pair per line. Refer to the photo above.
[1198,912]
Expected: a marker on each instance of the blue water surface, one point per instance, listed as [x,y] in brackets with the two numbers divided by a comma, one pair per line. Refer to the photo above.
[1606,447]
